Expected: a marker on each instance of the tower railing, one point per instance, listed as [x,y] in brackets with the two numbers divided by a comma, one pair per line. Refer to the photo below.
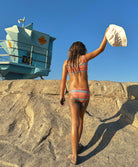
[12,46]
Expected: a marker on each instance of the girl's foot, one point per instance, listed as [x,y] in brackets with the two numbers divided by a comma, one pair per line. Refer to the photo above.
[72,159]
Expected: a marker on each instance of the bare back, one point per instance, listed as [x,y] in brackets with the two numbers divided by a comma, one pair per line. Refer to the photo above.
[79,79]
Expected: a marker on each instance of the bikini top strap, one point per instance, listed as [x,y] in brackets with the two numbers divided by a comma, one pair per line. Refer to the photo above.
[84,59]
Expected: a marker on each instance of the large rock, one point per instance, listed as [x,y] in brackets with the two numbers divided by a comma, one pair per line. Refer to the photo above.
[35,129]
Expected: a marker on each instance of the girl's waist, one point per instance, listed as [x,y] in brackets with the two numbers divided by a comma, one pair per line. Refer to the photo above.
[79,89]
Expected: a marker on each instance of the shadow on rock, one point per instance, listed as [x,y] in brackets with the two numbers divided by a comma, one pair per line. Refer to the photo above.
[108,130]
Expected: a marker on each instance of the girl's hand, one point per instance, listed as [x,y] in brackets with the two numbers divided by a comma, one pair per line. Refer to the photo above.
[107,29]
[62,101]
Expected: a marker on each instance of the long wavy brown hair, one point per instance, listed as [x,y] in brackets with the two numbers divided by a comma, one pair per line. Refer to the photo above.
[76,49]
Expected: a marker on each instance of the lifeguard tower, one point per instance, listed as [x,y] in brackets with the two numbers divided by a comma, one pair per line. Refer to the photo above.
[28,53]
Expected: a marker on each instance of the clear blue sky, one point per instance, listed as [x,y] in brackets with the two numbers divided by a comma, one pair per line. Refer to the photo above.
[86,21]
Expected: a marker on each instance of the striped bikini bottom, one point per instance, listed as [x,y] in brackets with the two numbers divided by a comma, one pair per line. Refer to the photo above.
[80,95]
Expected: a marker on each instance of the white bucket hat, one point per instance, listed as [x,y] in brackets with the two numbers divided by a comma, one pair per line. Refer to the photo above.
[116,35]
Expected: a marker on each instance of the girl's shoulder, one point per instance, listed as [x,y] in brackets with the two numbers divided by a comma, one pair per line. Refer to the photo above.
[65,63]
[84,59]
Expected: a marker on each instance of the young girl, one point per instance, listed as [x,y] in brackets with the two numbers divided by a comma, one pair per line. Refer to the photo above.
[76,65]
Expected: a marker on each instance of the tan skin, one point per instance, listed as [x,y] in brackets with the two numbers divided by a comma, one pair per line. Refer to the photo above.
[77,110]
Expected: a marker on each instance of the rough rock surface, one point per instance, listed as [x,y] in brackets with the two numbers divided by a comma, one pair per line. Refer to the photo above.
[35,129]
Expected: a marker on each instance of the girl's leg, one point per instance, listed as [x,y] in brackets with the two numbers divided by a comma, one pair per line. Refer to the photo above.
[81,115]
[74,110]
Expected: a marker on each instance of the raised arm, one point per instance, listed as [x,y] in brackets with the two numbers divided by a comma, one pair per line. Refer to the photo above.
[96,52]
[63,83]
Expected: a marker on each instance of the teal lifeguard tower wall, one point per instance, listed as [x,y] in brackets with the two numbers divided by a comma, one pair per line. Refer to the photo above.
[30,53]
